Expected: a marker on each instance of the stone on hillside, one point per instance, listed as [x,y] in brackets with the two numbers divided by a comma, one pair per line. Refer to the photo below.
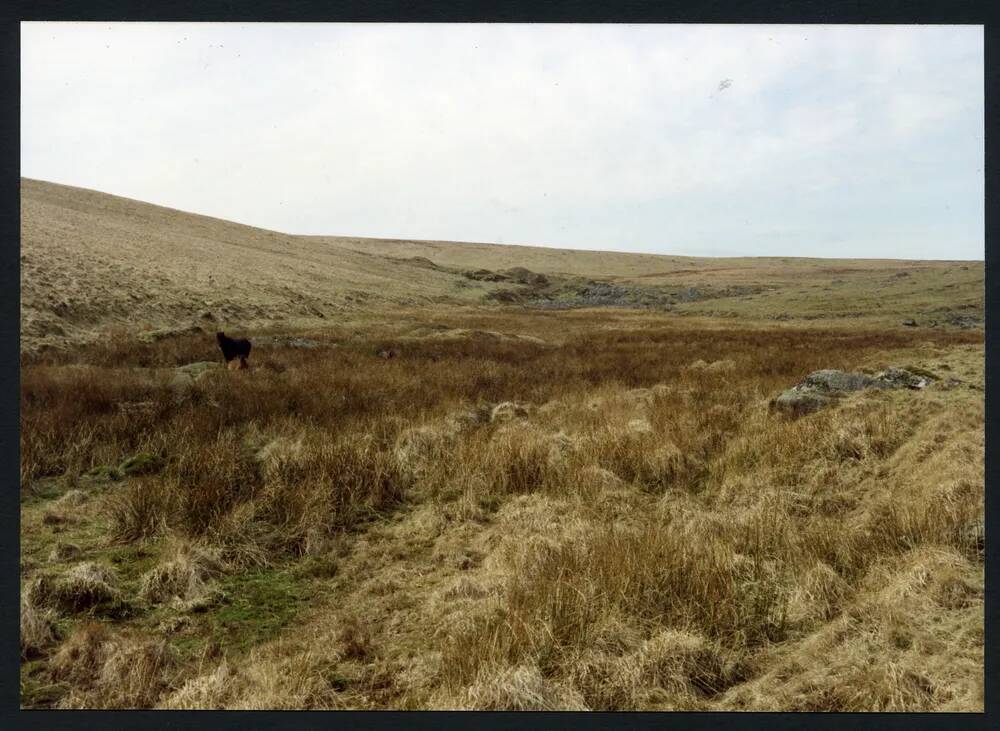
[799,403]
[902,378]
[829,380]
[823,387]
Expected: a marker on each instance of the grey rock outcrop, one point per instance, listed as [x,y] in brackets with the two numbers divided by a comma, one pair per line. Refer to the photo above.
[822,388]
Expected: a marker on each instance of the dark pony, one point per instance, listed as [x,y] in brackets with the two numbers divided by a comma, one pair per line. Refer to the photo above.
[232,348]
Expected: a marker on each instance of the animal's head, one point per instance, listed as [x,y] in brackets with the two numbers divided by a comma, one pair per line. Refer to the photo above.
[220,336]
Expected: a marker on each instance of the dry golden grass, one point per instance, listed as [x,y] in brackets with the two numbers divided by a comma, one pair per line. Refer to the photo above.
[603,515]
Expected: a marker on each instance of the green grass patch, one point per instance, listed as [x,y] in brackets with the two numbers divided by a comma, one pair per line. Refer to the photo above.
[143,463]
[258,605]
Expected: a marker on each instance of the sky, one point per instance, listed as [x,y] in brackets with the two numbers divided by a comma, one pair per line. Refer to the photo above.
[705,140]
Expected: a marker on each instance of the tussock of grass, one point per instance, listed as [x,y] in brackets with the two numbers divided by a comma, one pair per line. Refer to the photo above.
[37,628]
[184,576]
[111,671]
[84,586]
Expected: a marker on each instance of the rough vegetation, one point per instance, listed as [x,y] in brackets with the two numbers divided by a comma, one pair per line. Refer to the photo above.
[532,511]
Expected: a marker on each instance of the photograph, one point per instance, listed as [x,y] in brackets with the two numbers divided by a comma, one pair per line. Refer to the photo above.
[446,366]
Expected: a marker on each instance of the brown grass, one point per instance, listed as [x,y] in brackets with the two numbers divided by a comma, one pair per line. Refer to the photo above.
[626,531]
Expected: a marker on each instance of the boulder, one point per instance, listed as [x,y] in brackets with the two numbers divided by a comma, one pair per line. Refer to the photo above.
[902,378]
[823,387]
[833,381]
[799,403]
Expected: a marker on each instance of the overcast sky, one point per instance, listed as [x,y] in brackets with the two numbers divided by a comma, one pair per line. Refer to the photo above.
[859,141]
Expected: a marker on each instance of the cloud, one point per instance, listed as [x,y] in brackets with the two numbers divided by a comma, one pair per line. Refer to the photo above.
[614,137]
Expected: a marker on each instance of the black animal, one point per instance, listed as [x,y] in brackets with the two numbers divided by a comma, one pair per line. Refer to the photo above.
[233,349]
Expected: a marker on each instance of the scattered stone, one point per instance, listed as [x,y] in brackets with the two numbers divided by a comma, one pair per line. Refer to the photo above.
[910,323]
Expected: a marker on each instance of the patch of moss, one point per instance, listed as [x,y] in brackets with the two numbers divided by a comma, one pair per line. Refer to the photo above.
[143,463]
[258,605]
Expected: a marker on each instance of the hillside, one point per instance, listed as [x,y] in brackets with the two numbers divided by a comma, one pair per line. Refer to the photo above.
[92,261]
